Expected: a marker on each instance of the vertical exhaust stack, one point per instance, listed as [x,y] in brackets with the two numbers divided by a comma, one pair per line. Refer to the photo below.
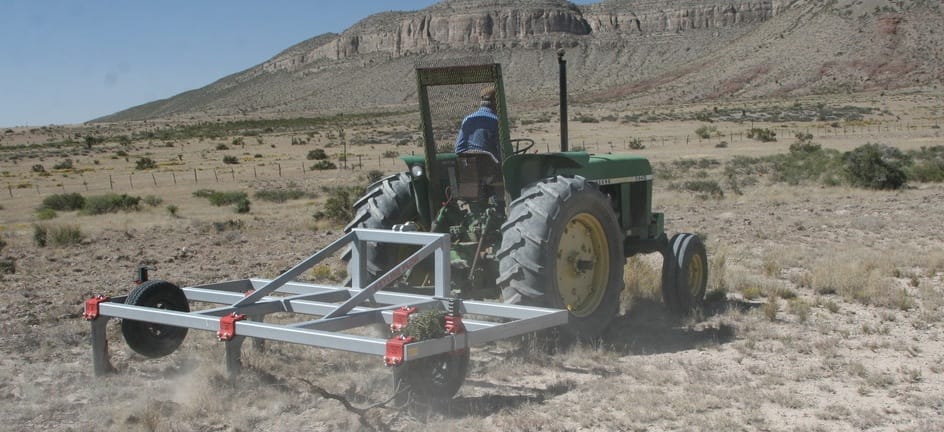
[562,73]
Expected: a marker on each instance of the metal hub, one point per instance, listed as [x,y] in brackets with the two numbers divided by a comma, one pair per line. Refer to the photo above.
[583,264]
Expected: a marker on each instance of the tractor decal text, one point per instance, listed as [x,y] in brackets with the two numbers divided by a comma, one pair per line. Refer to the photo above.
[616,180]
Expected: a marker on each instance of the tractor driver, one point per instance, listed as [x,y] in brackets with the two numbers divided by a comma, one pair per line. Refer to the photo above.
[479,131]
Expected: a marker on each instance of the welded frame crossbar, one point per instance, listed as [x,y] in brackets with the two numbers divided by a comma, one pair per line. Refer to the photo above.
[244,304]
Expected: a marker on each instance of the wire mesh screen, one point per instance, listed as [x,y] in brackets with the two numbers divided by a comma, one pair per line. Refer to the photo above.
[448,105]
[453,92]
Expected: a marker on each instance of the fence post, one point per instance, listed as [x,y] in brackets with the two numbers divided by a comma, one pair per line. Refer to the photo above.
[216,175]
[194,176]
[131,180]
[174,176]
[10,188]
[280,169]
[154,179]
[111,183]
[254,172]
[232,172]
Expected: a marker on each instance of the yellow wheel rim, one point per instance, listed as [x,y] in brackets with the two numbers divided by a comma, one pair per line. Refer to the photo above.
[583,264]
[696,274]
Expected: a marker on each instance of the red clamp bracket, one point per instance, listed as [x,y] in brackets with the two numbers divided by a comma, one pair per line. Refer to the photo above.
[228,326]
[91,306]
[454,324]
[401,318]
[395,350]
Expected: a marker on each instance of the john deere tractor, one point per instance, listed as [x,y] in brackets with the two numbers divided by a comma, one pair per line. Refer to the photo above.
[546,229]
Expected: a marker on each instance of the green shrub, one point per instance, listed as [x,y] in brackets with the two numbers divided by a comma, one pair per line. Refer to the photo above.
[46,213]
[110,203]
[875,166]
[339,207]
[40,235]
[145,163]
[172,210]
[701,188]
[242,206]
[39,168]
[705,132]
[762,134]
[317,154]
[64,202]
[323,165]
[391,154]
[222,146]
[220,199]
[64,165]
[636,144]
[928,164]
[230,160]
[280,195]
[153,200]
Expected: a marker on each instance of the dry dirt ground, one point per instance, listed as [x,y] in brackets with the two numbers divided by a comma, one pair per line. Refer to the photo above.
[828,314]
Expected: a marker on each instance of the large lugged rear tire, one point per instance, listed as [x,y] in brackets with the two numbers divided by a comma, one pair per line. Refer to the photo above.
[386,203]
[149,339]
[684,274]
[562,248]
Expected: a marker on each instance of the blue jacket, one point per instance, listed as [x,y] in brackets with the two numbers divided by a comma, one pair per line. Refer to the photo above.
[479,131]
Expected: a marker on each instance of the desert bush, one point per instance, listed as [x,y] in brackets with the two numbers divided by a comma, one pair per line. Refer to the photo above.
[145,163]
[110,203]
[222,146]
[636,144]
[323,165]
[172,210]
[762,134]
[875,166]
[45,213]
[121,153]
[239,141]
[57,235]
[229,225]
[230,160]
[220,199]
[64,165]
[706,131]
[373,176]
[391,154]
[701,188]
[153,200]
[38,168]
[722,144]
[585,118]
[927,164]
[339,206]
[242,206]
[280,195]
[317,154]
[64,202]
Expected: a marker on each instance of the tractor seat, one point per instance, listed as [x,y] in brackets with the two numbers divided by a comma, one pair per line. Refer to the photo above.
[479,175]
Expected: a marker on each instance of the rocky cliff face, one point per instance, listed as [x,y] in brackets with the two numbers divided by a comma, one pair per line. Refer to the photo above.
[499,24]
[630,52]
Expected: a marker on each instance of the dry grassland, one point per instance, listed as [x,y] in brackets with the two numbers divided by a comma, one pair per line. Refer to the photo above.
[825,307]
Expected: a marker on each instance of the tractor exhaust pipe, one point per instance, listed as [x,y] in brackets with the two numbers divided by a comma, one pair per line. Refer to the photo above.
[562,74]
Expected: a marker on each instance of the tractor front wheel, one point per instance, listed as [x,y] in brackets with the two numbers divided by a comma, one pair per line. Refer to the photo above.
[562,248]
[684,274]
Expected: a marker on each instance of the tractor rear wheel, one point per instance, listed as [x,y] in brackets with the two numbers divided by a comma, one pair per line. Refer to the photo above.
[684,274]
[386,203]
[562,248]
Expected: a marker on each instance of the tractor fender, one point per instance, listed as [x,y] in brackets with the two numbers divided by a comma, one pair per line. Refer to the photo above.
[524,169]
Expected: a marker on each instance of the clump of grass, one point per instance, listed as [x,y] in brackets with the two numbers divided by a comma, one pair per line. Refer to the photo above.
[317,154]
[703,189]
[800,308]
[772,307]
[45,213]
[243,206]
[762,134]
[280,195]
[172,210]
[229,225]
[323,165]
[153,200]
[230,160]
[640,281]
[110,203]
[220,199]
[57,235]
[64,202]
[145,163]
[426,325]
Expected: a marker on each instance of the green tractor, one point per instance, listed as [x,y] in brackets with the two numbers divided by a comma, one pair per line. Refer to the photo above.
[546,229]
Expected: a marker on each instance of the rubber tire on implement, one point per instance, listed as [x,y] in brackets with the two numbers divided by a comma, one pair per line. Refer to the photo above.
[149,339]
[386,203]
[685,274]
[557,231]
[431,380]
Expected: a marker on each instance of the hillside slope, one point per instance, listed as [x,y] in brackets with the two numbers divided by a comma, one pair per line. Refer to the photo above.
[640,51]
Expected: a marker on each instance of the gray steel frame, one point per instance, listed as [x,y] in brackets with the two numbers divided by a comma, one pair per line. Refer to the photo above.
[338,309]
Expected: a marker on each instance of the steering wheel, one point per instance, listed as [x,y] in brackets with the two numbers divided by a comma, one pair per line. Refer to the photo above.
[519,148]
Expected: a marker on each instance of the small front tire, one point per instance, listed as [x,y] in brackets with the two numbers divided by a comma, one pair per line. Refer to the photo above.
[149,339]
[684,274]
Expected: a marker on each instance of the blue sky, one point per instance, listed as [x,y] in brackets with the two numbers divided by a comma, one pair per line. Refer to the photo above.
[69,61]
